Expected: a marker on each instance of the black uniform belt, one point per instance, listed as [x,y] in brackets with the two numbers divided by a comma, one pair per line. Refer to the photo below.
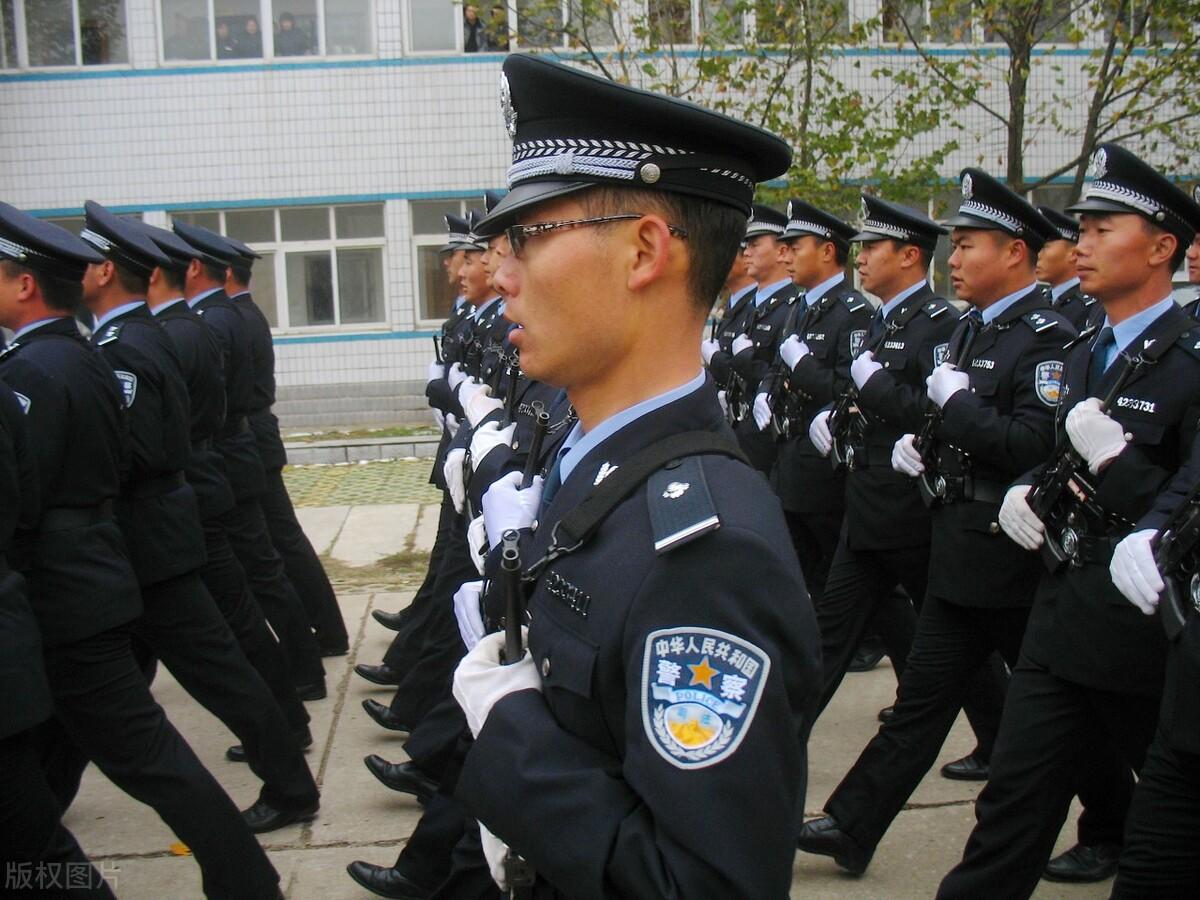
[962,489]
[155,487]
[233,426]
[62,518]
[1086,548]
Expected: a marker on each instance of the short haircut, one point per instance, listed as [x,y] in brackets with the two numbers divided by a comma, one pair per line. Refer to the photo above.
[714,231]
[926,254]
[214,270]
[1032,247]
[241,274]
[173,276]
[841,253]
[132,281]
[60,294]
[1181,248]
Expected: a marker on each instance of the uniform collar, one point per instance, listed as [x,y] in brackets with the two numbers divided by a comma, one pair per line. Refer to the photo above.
[239,295]
[163,307]
[1125,333]
[993,312]
[203,295]
[25,329]
[891,305]
[483,307]
[814,295]
[1058,290]
[764,293]
[578,444]
[117,311]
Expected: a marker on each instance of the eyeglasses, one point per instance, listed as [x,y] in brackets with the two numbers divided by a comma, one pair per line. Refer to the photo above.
[519,234]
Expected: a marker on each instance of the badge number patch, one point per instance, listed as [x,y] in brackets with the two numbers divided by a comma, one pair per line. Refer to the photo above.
[1048,379]
[128,386]
[700,690]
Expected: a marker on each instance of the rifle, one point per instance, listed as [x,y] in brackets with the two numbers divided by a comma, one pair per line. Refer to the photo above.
[1066,473]
[780,396]
[847,421]
[541,425]
[1175,548]
[933,493]
[437,347]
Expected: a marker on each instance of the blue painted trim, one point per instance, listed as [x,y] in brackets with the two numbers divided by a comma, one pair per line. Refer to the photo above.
[346,338]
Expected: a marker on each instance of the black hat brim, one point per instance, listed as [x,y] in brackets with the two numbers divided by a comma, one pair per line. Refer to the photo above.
[1097,205]
[866,237]
[961,220]
[521,198]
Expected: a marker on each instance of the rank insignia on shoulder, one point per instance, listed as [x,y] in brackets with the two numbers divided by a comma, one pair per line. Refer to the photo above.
[605,470]
[128,386]
[681,508]
[700,690]
[858,337]
[112,333]
[940,353]
[933,309]
[1048,380]
[1038,322]
[24,401]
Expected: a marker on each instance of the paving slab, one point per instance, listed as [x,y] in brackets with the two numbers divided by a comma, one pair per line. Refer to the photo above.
[427,525]
[372,532]
[322,524]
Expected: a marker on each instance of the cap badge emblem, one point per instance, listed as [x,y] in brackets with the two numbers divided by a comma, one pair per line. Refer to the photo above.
[968,187]
[506,107]
[651,173]
[866,211]
[1099,164]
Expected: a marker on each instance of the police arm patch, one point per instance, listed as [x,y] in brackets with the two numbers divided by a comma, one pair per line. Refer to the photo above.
[940,353]
[700,690]
[128,386]
[1048,380]
[857,338]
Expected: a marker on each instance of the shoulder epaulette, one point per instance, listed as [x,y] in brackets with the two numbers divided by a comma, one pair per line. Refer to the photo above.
[1190,341]
[854,302]
[1039,321]
[111,334]
[935,308]
[10,349]
[1081,337]
[681,508]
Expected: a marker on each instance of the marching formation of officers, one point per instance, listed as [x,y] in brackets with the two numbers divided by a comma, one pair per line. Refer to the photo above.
[610,672]
[145,520]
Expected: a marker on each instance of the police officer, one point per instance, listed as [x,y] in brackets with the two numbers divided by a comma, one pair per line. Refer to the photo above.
[1193,265]
[1056,269]
[160,521]
[717,350]
[828,328]
[304,569]
[85,594]
[991,418]
[1091,666]
[652,606]
[204,288]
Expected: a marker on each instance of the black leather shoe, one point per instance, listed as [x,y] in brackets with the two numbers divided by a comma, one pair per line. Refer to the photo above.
[340,650]
[384,717]
[262,816]
[237,753]
[1084,863]
[969,768]
[382,674]
[386,882]
[315,691]
[394,621]
[866,657]
[404,777]
[823,836]
[887,714]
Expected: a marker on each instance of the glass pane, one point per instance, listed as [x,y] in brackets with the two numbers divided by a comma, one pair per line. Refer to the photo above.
[495,22]
[296,29]
[898,13]
[238,31]
[209,220]
[8,36]
[432,24]
[539,23]
[348,28]
[185,30]
[359,221]
[304,224]
[262,287]
[950,21]
[671,21]
[102,32]
[310,288]
[592,24]
[253,226]
[436,295]
[722,19]
[360,285]
[428,216]
[48,27]
[73,224]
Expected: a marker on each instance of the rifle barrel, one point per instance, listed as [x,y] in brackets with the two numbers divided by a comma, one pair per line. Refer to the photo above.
[510,575]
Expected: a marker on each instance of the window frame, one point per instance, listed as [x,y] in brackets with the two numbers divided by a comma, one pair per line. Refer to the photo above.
[21,43]
[419,240]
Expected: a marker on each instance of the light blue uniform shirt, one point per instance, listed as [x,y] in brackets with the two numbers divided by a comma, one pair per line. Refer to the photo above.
[813,295]
[117,311]
[992,312]
[735,299]
[1059,289]
[1125,333]
[25,329]
[162,307]
[200,296]
[760,297]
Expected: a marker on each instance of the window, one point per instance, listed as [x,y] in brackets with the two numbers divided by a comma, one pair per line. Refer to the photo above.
[435,294]
[777,21]
[44,33]
[322,266]
[234,29]
[936,21]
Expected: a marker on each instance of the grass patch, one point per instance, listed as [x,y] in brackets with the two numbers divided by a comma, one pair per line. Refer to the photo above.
[395,431]
[396,571]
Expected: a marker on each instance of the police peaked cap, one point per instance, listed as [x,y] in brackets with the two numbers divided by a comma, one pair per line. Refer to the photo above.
[120,240]
[248,256]
[178,251]
[884,221]
[804,219]
[765,220]
[42,246]
[486,227]
[987,204]
[207,245]
[475,240]
[458,234]
[1067,228]
[572,130]
[1123,183]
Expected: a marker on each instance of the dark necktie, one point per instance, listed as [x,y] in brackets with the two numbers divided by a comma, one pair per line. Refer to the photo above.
[876,328]
[553,479]
[1099,358]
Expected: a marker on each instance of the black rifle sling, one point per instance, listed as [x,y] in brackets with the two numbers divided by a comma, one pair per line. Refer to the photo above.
[580,524]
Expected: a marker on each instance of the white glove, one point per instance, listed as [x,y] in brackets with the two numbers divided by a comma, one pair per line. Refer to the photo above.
[724,403]
[506,506]
[863,367]
[494,851]
[480,682]
[1018,520]
[438,418]
[435,371]
[819,433]
[905,458]
[1134,572]
[478,543]
[793,350]
[1098,437]
[762,411]
[740,343]
[452,424]
[707,349]
[452,469]
[455,375]
[488,437]
[468,614]
[468,388]
[945,382]
[481,405]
